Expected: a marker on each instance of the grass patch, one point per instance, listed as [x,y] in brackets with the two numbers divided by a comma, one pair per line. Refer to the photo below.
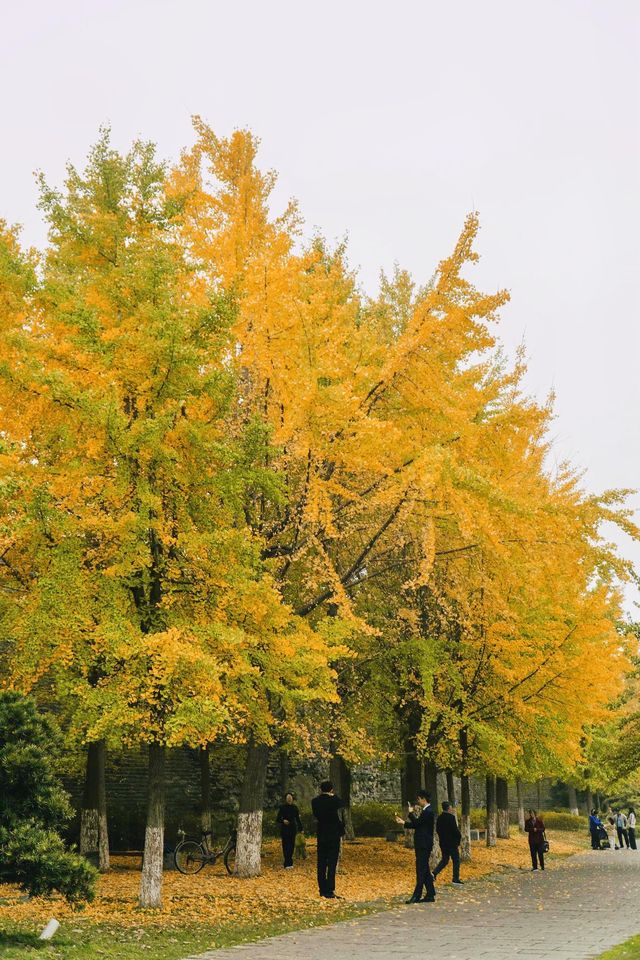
[629,950]
[95,941]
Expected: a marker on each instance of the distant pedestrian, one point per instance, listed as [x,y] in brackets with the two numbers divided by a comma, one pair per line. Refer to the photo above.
[423,824]
[449,836]
[534,826]
[595,826]
[288,817]
[631,828]
[621,827]
[330,830]
[612,833]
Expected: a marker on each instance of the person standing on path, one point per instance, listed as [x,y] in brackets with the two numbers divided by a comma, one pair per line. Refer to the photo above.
[288,817]
[595,825]
[449,836]
[534,826]
[330,830]
[631,828]
[621,827]
[423,825]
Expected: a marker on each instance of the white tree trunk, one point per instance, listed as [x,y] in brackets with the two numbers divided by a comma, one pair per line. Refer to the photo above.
[465,843]
[103,826]
[151,882]
[249,845]
[491,829]
[502,798]
[436,853]
[94,832]
[491,811]
[89,831]
[503,824]
[573,801]
[103,843]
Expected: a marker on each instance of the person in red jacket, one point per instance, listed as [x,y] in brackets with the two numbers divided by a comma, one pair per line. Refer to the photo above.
[534,826]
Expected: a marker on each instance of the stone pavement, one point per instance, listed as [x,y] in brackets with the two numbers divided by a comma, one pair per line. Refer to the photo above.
[585,905]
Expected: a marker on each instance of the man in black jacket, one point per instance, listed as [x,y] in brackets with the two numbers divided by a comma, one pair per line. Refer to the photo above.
[449,836]
[330,830]
[423,845]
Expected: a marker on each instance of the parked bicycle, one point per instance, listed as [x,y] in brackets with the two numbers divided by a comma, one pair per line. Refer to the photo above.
[190,856]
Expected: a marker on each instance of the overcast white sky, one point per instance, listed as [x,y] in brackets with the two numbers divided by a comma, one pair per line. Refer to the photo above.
[389,122]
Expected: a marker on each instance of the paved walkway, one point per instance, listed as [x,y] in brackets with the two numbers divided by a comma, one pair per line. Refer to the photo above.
[587,904]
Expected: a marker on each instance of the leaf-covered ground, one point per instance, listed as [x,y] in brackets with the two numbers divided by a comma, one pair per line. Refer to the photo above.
[215,909]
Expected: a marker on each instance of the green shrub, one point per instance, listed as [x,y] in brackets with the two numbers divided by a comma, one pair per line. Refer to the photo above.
[478,818]
[34,808]
[559,820]
[373,819]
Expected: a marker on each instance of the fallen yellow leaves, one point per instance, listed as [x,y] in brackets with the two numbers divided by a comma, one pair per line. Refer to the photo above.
[370,870]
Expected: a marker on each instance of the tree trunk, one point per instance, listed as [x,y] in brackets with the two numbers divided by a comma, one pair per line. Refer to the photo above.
[151,883]
[340,776]
[539,795]
[410,779]
[248,849]
[89,817]
[103,826]
[431,783]
[431,786]
[598,801]
[284,773]
[410,784]
[573,801]
[205,789]
[520,805]
[491,810]
[451,788]
[465,818]
[588,800]
[502,800]
[94,834]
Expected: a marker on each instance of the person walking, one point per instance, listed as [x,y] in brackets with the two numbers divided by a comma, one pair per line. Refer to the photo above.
[329,830]
[423,825]
[631,828]
[288,817]
[534,826]
[449,836]
[621,827]
[595,826]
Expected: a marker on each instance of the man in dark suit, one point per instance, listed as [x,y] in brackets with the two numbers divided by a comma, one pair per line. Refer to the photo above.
[330,830]
[449,836]
[423,825]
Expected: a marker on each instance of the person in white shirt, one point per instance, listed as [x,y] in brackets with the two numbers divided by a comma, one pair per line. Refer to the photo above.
[631,828]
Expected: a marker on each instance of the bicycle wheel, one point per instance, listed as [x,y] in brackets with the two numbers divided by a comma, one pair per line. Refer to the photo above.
[230,859]
[189,856]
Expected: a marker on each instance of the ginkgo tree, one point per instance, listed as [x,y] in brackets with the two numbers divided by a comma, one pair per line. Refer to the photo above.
[149,603]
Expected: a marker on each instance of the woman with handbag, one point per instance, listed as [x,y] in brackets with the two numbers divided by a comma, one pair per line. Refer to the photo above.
[534,826]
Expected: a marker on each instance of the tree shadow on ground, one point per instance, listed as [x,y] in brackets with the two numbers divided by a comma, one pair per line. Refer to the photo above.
[21,940]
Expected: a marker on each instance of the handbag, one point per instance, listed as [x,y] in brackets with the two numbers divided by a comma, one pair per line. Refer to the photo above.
[545,843]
